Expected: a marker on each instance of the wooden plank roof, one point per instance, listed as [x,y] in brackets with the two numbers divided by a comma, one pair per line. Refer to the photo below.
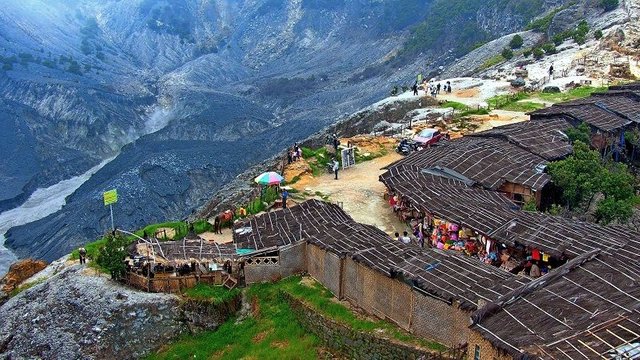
[479,209]
[587,308]
[284,227]
[608,111]
[455,277]
[543,137]
[488,161]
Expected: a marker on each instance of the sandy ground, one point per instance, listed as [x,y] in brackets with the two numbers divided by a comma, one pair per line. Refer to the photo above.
[224,238]
[499,118]
[360,192]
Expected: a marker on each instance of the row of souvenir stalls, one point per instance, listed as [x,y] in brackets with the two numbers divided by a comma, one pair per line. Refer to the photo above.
[431,230]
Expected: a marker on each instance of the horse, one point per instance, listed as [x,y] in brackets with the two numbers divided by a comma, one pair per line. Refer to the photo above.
[222,219]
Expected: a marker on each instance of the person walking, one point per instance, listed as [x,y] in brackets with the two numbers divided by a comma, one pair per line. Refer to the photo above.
[438,89]
[285,196]
[336,167]
[551,72]
[415,89]
[83,255]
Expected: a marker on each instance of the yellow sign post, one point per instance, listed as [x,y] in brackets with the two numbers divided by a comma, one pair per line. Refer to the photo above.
[110,197]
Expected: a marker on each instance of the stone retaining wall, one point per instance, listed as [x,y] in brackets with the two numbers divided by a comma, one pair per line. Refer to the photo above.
[352,343]
[207,315]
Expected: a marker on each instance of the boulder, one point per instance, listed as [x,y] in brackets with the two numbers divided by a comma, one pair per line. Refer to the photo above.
[19,272]
[551,90]
[518,82]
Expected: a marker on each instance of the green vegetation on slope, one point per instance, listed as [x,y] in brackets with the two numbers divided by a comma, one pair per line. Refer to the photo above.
[450,20]
[273,331]
[217,294]
[585,174]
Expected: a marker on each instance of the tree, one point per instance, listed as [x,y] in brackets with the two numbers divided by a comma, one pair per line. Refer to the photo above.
[619,195]
[584,174]
[516,42]
[609,5]
[578,175]
[507,53]
[580,133]
[111,256]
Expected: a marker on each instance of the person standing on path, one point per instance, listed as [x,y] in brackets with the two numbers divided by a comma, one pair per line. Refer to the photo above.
[336,167]
[285,196]
[83,255]
[551,72]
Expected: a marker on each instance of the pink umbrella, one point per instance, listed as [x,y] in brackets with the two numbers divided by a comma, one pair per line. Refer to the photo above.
[269,178]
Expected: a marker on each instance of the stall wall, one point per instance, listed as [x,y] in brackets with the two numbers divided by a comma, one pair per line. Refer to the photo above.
[325,267]
[436,319]
[291,260]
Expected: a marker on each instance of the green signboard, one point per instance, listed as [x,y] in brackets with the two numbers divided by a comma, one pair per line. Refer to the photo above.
[110,197]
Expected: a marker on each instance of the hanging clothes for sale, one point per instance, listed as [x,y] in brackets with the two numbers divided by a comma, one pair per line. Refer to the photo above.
[535,255]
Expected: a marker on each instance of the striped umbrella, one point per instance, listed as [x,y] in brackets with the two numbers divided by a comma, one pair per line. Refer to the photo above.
[269,178]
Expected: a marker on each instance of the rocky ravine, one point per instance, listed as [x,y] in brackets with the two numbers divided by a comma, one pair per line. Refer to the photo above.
[79,315]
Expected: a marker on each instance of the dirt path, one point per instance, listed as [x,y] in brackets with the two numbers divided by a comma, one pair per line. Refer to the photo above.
[359,190]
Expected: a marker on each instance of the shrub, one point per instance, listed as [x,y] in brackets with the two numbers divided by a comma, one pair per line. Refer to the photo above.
[516,42]
[597,34]
[527,53]
[609,5]
[549,48]
[112,255]
[507,53]
[538,53]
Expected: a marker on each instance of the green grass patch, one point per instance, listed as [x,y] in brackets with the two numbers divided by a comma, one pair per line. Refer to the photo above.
[217,294]
[463,109]
[360,157]
[573,94]
[524,106]
[455,105]
[24,287]
[274,332]
[492,61]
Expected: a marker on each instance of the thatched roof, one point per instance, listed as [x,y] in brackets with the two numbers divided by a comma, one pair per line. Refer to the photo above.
[584,309]
[451,276]
[543,137]
[198,250]
[630,86]
[493,215]
[488,161]
[287,226]
[479,209]
[610,111]
[365,244]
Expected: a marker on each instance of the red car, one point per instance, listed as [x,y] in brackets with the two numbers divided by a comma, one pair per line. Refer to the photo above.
[427,137]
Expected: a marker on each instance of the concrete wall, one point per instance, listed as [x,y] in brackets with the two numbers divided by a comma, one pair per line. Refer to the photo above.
[292,260]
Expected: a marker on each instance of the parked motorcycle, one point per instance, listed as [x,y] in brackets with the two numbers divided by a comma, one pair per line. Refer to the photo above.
[406,147]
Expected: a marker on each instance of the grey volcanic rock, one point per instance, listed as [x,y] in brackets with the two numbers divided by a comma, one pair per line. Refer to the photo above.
[76,316]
